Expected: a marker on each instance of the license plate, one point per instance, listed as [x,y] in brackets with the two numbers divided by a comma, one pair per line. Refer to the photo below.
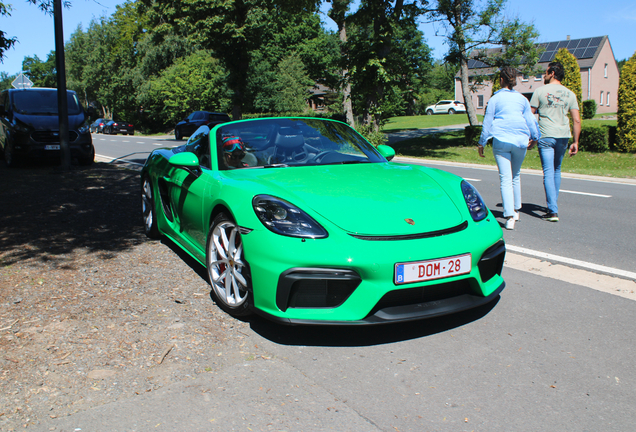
[432,269]
[52,147]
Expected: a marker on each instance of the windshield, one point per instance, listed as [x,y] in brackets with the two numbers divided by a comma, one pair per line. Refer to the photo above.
[43,102]
[287,142]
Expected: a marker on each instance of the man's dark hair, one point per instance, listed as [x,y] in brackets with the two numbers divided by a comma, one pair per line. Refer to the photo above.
[557,68]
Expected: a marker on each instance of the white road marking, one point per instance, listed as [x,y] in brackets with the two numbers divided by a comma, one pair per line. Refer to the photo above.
[564,260]
[585,193]
[599,282]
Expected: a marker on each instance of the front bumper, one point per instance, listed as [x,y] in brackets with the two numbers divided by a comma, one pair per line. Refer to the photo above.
[41,144]
[351,281]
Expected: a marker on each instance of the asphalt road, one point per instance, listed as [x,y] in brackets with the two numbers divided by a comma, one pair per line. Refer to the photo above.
[550,355]
[596,215]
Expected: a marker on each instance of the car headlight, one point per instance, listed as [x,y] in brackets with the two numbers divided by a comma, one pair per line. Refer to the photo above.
[284,218]
[475,203]
[83,129]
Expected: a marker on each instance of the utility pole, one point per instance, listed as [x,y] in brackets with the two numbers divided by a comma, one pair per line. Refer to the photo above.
[62,102]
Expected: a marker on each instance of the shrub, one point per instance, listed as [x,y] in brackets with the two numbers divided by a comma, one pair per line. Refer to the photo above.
[471,135]
[589,109]
[572,70]
[626,116]
[594,139]
[370,134]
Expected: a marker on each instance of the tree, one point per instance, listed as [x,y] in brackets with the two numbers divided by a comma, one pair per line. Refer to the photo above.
[232,29]
[626,116]
[572,79]
[338,13]
[194,83]
[473,26]
[6,42]
[43,74]
[6,80]
[380,26]
[291,86]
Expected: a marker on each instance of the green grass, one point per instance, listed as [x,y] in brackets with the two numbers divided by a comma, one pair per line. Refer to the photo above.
[450,147]
[396,124]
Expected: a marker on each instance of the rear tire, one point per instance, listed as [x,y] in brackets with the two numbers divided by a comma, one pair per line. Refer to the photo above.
[177,135]
[451,111]
[148,209]
[228,271]
[429,112]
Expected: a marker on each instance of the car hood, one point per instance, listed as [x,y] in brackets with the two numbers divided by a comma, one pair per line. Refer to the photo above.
[49,121]
[366,199]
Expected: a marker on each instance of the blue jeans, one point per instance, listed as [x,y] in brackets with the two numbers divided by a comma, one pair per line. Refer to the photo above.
[551,152]
[509,158]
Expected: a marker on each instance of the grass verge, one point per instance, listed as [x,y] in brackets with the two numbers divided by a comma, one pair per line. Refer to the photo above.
[450,147]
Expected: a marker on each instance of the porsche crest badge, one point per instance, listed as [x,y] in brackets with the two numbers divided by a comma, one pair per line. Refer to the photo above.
[410,221]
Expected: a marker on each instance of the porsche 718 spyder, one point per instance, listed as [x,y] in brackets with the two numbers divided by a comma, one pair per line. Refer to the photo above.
[303,221]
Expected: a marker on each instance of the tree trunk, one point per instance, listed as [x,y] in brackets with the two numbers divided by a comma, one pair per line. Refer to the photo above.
[468,100]
[337,13]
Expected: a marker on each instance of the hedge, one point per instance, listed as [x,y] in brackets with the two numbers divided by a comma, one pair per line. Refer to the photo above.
[589,109]
[594,139]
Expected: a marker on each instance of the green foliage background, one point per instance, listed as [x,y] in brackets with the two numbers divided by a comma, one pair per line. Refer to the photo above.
[626,116]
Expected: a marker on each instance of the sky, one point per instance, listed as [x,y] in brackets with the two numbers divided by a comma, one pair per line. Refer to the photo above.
[554,20]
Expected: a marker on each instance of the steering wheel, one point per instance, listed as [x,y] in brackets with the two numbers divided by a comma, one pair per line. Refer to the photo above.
[320,156]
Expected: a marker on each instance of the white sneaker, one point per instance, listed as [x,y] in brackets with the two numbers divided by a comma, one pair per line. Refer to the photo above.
[516,216]
[510,223]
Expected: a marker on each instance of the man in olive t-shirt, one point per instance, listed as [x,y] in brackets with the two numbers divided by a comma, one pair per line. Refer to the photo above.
[552,102]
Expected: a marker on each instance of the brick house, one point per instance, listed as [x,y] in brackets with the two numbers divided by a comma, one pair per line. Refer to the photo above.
[599,73]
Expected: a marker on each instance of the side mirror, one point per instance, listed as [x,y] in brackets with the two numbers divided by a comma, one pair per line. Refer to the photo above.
[384,150]
[184,160]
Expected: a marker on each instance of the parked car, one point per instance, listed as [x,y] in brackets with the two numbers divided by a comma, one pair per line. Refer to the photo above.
[113,127]
[188,125]
[30,126]
[98,125]
[303,221]
[446,107]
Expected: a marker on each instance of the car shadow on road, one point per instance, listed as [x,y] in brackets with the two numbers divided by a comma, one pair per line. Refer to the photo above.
[365,335]
[339,335]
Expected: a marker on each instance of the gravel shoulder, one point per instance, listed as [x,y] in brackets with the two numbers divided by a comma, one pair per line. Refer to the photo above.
[90,310]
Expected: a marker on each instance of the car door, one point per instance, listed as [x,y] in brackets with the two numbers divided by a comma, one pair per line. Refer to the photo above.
[441,107]
[190,190]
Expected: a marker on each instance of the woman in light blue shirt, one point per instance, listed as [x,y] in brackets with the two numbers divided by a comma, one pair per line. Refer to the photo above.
[514,129]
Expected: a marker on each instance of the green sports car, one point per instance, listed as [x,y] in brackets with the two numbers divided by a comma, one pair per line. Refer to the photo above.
[302,221]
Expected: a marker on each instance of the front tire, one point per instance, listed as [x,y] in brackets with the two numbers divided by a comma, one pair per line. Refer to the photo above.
[177,135]
[227,268]
[148,209]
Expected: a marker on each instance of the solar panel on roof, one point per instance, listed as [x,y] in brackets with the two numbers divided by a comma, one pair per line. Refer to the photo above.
[562,44]
[584,43]
[589,52]
[579,52]
[573,44]
[595,41]
[552,46]
[546,57]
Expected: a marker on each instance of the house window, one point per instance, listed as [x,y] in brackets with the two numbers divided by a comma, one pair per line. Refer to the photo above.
[607,98]
[601,98]
[605,70]
[538,77]
[480,101]
[524,78]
